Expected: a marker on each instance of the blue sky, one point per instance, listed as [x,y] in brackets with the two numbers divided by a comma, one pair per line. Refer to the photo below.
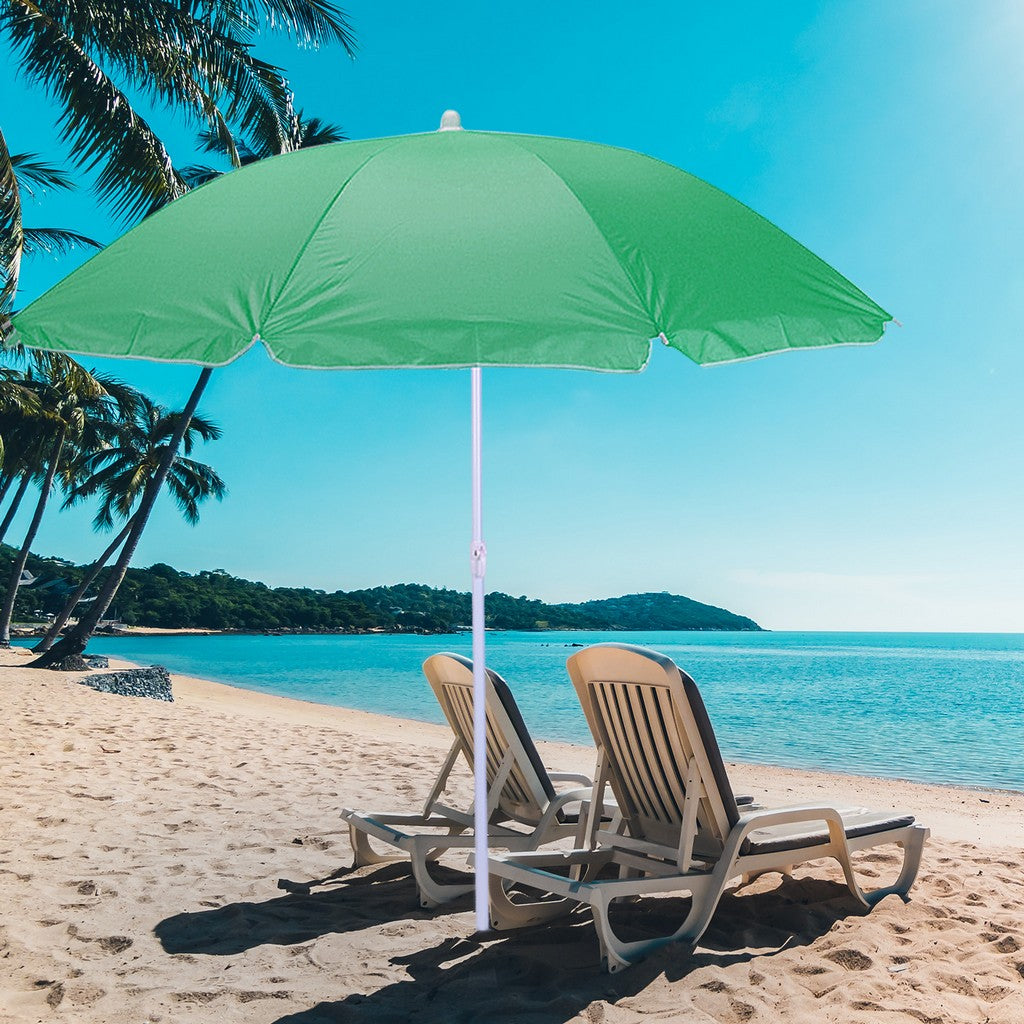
[865,488]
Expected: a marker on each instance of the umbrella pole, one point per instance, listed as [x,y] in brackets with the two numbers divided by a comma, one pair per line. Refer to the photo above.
[478,559]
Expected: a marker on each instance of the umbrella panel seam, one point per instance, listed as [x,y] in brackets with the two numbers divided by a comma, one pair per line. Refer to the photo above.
[626,273]
[339,195]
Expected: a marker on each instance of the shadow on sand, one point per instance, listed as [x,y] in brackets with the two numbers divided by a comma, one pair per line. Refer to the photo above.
[550,974]
[347,905]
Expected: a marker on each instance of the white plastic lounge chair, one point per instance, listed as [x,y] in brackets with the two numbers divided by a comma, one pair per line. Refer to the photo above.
[525,810]
[680,829]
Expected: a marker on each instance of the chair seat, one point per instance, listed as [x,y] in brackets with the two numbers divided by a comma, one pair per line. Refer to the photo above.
[801,834]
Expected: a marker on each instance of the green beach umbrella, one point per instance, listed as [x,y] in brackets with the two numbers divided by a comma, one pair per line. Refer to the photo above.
[453,249]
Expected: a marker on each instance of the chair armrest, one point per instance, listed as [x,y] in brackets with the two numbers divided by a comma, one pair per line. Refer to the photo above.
[582,780]
[783,815]
[569,796]
[778,815]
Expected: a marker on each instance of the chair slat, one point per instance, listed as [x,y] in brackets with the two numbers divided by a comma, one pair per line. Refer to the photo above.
[673,787]
[646,754]
[621,744]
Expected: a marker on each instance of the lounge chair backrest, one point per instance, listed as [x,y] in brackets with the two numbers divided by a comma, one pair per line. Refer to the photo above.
[652,733]
[527,789]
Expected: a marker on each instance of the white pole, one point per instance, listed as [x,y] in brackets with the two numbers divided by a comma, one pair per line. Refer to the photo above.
[478,560]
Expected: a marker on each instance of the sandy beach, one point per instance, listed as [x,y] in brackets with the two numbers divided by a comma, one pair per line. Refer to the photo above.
[141,844]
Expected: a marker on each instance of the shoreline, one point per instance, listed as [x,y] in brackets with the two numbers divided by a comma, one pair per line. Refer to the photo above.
[747,765]
[193,688]
[997,815]
[141,844]
[24,631]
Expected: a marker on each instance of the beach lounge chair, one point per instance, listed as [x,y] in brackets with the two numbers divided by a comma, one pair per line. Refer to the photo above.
[679,828]
[525,809]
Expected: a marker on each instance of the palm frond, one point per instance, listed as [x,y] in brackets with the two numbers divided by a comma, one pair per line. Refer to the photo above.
[191,483]
[97,120]
[127,401]
[201,56]
[23,171]
[35,173]
[311,23]
[12,239]
[62,372]
[17,402]
[314,131]
[184,499]
[199,425]
[190,55]
[195,175]
[258,100]
[202,480]
[92,481]
[209,141]
[55,242]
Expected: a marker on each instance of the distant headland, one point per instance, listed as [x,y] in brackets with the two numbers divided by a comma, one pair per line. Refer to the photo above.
[162,598]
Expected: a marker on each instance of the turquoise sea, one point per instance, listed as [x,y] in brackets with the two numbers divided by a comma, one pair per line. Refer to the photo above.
[945,708]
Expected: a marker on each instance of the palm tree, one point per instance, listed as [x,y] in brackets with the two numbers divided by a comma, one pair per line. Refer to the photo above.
[76,410]
[23,174]
[26,175]
[192,56]
[17,404]
[20,460]
[299,133]
[121,473]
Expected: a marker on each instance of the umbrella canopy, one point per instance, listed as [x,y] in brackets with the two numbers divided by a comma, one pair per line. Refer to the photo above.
[453,249]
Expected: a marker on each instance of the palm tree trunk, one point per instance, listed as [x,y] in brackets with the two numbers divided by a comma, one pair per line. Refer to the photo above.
[72,602]
[76,639]
[6,479]
[15,502]
[19,562]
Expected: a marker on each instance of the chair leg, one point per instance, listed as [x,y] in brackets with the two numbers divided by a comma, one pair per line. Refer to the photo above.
[431,892]
[617,954]
[507,915]
[913,847]
[749,876]
[363,853]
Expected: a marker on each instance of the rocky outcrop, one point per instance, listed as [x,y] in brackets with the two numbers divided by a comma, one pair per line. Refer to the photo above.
[152,682]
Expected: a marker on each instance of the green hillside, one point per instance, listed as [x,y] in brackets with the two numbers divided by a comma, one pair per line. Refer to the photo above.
[162,597]
[662,611]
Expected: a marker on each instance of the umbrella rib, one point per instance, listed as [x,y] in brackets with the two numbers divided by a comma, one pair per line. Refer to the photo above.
[637,292]
[315,228]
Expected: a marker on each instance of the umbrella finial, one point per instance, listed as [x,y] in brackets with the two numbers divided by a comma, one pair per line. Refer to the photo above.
[450,121]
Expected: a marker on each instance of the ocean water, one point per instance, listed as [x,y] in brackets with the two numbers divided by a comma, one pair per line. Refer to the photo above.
[945,708]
